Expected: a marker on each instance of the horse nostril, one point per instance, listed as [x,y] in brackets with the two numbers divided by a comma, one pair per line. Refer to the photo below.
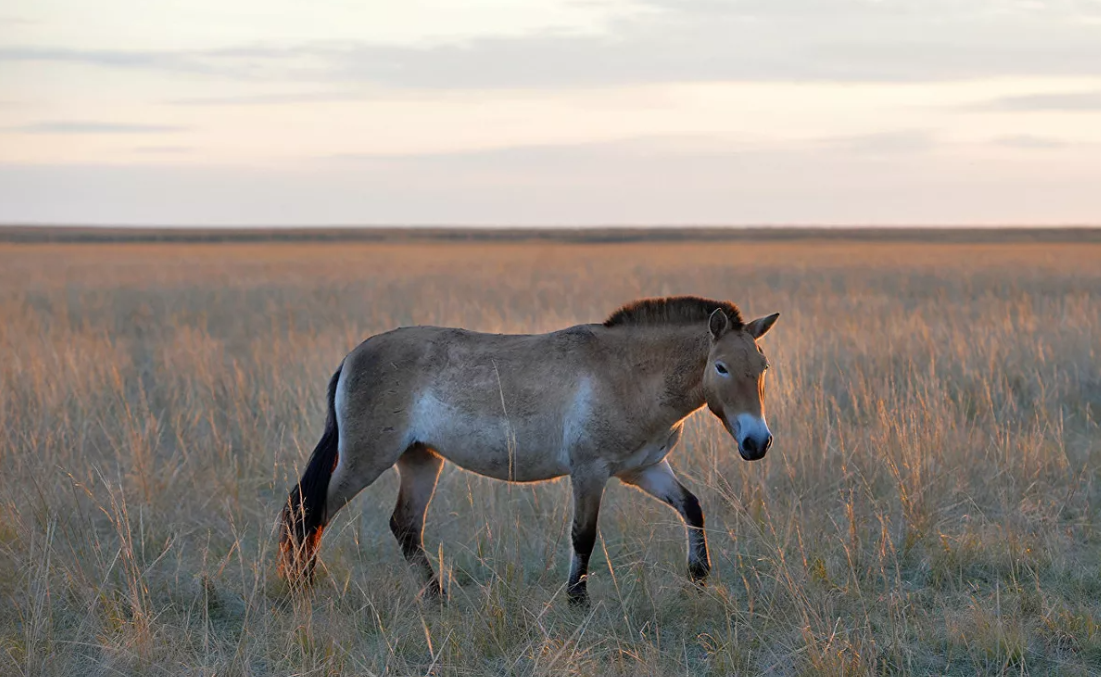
[768,443]
[750,446]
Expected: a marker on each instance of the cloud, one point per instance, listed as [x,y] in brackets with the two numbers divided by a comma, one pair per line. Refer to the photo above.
[688,153]
[92,57]
[86,127]
[884,143]
[163,149]
[584,184]
[548,162]
[682,41]
[233,63]
[1029,142]
[1064,101]
[270,99]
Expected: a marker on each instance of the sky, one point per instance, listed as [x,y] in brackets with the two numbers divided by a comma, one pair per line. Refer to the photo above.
[550,112]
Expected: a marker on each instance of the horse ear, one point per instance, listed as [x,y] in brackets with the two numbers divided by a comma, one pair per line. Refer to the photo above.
[718,324]
[759,327]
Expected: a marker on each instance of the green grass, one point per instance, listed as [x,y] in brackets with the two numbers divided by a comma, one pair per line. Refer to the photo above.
[930,505]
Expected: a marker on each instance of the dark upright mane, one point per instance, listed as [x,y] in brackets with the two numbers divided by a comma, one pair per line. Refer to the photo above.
[672,310]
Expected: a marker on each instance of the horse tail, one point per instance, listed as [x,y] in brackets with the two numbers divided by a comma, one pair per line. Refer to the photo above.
[305,514]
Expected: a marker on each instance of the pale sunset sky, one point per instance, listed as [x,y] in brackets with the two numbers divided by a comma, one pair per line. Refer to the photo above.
[544,112]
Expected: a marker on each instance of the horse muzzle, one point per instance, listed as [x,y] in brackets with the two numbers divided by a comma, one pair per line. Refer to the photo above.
[753,436]
[754,450]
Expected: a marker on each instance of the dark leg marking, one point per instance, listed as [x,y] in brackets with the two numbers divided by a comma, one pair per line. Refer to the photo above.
[699,562]
[419,468]
[586,510]
[660,482]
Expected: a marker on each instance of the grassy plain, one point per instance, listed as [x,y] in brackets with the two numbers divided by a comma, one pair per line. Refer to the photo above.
[931,504]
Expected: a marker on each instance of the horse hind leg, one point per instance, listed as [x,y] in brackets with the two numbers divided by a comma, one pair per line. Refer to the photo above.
[419,468]
[347,464]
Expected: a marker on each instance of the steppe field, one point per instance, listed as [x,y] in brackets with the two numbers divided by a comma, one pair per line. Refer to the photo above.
[931,505]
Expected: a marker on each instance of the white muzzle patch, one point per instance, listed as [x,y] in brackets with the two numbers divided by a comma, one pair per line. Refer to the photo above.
[753,436]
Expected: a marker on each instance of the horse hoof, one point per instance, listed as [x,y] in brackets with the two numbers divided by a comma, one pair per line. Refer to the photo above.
[434,592]
[297,581]
[697,573]
[578,600]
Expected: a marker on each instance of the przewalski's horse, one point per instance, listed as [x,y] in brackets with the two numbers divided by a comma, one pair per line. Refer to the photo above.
[590,402]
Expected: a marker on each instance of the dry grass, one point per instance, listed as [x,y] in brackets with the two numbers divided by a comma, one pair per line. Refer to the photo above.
[930,505]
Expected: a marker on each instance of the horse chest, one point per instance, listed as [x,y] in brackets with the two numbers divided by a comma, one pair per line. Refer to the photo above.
[652,451]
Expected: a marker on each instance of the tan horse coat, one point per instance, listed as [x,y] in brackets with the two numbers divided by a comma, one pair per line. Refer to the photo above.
[590,402]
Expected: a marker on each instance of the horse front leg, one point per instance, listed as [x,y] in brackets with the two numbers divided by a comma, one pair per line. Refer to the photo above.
[588,489]
[660,482]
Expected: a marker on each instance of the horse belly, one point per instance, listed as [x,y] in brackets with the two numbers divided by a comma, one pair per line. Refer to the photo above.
[502,461]
[519,451]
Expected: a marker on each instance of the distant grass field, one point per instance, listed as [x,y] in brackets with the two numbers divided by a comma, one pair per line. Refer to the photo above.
[931,503]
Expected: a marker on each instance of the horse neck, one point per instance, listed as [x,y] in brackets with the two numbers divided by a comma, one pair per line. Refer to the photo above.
[681,353]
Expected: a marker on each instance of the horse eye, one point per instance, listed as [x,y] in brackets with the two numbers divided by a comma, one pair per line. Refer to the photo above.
[721,368]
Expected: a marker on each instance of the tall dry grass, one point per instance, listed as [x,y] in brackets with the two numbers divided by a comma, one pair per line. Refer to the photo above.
[930,505]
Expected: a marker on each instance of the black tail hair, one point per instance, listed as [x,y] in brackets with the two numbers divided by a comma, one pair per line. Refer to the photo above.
[306,513]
